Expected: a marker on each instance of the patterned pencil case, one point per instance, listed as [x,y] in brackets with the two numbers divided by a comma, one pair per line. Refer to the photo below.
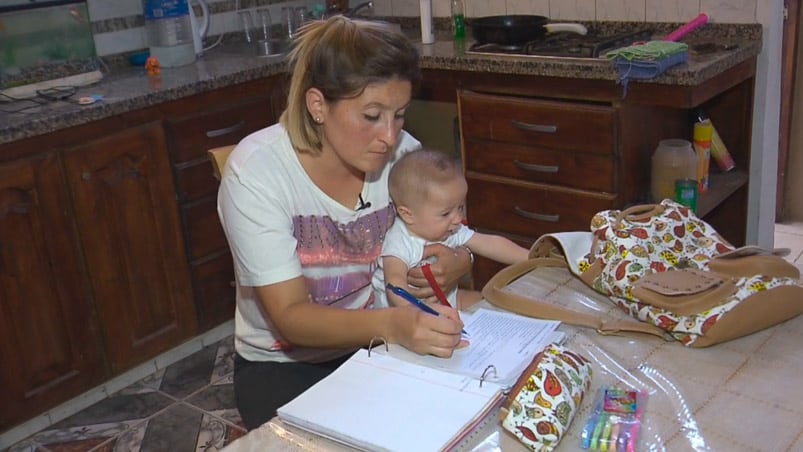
[542,404]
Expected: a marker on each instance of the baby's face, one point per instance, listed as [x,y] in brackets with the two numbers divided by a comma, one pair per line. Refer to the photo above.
[442,213]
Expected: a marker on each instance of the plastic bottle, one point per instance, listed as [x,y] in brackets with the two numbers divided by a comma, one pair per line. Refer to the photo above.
[702,147]
[169,31]
[458,19]
[674,159]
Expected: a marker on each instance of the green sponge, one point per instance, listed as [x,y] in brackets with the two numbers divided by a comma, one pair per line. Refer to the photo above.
[650,50]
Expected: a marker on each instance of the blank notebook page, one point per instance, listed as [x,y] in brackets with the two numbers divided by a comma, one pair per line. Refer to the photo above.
[379,402]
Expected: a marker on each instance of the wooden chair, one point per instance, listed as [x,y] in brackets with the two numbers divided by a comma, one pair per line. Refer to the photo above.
[218,156]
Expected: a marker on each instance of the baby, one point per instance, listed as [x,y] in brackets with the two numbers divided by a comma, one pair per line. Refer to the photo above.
[429,190]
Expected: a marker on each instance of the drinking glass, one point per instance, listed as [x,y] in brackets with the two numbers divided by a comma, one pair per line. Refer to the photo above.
[289,21]
[247,23]
[264,22]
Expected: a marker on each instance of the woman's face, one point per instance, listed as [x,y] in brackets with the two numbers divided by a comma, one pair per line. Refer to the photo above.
[363,131]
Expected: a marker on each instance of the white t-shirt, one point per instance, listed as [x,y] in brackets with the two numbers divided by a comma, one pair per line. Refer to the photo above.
[280,225]
[401,243]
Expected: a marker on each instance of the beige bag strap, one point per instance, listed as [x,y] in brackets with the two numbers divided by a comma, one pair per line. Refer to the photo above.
[544,310]
[639,212]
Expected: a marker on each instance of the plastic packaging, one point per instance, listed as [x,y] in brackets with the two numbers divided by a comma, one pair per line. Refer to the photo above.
[615,420]
[719,152]
[689,391]
[702,147]
[169,31]
[673,159]
[458,20]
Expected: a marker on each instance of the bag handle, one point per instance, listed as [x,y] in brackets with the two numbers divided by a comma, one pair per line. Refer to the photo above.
[639,212]
[544,310]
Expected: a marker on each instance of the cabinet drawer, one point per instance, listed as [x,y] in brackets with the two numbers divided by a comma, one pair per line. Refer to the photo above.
[214,291]
[528,209]
[571,169]
[195,180]
[535,122]
[194,135]
[204,232]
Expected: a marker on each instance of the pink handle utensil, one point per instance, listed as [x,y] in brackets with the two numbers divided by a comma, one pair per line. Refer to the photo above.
[685,29]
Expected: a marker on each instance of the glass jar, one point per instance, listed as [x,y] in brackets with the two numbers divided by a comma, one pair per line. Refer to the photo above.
[673,159]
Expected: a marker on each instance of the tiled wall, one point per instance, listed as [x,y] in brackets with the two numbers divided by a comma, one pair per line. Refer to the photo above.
[731,11]
[118,24]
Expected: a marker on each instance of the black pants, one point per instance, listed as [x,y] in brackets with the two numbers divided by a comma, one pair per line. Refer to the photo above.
[261,387]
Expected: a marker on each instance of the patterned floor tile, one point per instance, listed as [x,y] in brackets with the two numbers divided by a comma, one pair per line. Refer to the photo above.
[149,415]
[190,374]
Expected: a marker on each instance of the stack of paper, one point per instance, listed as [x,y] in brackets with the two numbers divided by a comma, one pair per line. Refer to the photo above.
[396,400]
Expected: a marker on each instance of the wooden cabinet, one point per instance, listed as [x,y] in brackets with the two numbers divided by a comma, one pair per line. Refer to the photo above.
[129,230]
[543,154]
[92,273]
[50,341]
[196,125]
[541,165]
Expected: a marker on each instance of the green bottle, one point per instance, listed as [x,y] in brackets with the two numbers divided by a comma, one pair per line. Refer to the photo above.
[458,20]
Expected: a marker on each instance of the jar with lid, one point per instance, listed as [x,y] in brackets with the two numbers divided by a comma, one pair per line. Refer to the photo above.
[673,159]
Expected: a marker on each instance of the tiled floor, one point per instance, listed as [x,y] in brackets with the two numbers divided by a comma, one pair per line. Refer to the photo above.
[186,406]
[189,405]
[790,235]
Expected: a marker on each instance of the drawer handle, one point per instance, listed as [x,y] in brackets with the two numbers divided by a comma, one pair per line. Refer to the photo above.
[225,130]
[542,128]
[536,168]
[536,216]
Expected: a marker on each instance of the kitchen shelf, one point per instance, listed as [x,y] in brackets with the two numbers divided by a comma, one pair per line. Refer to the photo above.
[721,186]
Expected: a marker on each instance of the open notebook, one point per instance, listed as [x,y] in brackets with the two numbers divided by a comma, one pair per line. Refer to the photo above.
[393,400]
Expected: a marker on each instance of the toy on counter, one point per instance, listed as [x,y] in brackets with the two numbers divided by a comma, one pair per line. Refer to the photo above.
[152,66]
[614,423]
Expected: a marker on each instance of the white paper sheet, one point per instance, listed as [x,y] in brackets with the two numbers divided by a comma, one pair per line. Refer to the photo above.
[505,340]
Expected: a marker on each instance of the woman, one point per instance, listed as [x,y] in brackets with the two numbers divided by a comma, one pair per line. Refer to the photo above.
[305,208]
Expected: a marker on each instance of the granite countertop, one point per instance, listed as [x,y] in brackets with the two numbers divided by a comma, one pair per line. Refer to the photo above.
[130,88]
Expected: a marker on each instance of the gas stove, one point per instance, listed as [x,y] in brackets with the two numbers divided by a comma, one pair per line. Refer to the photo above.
[566,45]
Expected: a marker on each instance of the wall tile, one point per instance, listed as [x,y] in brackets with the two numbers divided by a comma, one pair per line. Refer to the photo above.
[406,8]
[622,10]
[99,10]
[442,8]
[730,11]
[672,11]
[120,41]
[480,8]
[537,7]
[572,10]
[383,8]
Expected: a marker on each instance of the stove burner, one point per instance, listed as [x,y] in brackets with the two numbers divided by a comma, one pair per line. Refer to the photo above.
[567,44]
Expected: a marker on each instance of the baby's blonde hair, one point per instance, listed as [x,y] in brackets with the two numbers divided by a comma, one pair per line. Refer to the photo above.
[412,176]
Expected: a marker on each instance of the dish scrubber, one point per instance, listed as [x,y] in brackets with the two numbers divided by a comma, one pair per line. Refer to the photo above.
[648,60]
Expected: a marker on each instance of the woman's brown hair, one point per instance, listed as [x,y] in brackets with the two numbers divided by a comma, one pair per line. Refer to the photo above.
[341,57]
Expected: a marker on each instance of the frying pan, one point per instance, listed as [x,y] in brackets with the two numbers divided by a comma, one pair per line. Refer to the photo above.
[517,29]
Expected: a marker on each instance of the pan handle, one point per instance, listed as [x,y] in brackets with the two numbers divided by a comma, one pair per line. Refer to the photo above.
[575,28]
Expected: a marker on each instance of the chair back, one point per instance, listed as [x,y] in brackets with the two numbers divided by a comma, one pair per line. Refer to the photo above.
[218,156]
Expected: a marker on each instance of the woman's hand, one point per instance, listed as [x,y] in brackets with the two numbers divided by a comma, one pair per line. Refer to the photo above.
[425,333]
[450,264]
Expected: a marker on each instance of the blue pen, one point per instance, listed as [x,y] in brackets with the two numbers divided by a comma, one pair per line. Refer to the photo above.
[415,301]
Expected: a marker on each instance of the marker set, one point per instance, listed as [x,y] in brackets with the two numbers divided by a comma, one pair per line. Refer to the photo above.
[614,423]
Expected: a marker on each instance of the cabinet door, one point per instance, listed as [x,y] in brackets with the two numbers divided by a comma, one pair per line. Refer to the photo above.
[125,205]
[50,348]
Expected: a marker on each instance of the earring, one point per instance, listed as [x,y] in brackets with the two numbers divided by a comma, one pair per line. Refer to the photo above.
[318,119]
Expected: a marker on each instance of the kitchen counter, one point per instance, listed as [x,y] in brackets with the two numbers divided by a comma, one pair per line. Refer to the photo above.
[129,89]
